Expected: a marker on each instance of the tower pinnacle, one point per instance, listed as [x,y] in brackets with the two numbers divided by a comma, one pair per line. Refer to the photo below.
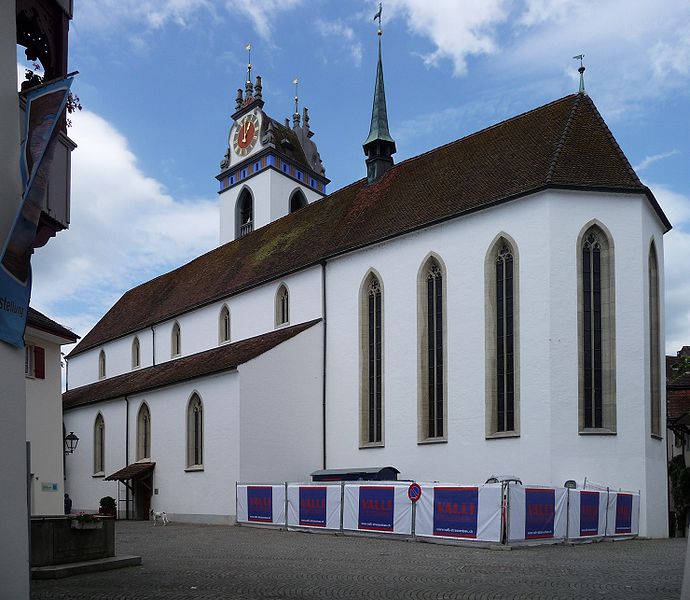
[379,145]
[581,71]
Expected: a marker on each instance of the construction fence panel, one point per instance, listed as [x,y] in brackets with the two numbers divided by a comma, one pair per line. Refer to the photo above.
[314,505]
[459,512]
[623,515]
[381,507]
[536,513]
[587,514]
[261,504]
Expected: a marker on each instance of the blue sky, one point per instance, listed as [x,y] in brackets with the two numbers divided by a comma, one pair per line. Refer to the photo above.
[158,80]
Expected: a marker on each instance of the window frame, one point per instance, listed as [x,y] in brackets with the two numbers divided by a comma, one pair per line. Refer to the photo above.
[224,325]
[102,365]
[143,446]
[195,433]
[136,353]
[99,446]
[282,306]
[176,340]
[654,300]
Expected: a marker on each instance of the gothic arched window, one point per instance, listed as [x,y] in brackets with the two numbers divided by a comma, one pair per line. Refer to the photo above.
[244,214]
[136,353]
[224,325]
[144,432]
[282,306]
[654,343]
[596,324]
[195,432]
[297,201]
[99,445]
[501,280]
[101,364]
[176,340]
[371,361]
[432,381]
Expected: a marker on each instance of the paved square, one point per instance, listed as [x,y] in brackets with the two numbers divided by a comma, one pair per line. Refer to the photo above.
[210,562]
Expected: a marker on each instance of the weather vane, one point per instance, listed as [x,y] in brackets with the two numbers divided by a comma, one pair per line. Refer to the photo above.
[378,16]
[581,71]
[248,48]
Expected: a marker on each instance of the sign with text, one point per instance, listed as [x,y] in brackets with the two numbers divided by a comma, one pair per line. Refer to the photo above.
[376,508]
[312,506]
[540,508]
[455,511]
[589,513]
[260,504]
[624,513]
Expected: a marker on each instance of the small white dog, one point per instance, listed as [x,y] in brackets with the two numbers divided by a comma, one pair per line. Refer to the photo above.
[156,515]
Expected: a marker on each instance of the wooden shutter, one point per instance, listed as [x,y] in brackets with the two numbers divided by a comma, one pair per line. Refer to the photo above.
[39,362]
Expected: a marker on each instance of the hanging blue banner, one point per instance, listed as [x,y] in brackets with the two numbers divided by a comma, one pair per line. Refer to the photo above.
[540,508]
[455,511]
[260,503]
[44,106]
[312,506]
[589,513]
[376,508]
[624,513]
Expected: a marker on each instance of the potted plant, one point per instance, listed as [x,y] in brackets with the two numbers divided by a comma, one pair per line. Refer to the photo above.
[108,506]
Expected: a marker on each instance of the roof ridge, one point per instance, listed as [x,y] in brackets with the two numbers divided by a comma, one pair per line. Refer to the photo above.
[613,140]
[561,142]
[482,131]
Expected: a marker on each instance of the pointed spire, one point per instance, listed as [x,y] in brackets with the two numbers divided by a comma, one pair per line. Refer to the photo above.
[581,71]
[379,145]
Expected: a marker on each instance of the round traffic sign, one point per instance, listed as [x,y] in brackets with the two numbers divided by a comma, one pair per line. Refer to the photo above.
[414,492]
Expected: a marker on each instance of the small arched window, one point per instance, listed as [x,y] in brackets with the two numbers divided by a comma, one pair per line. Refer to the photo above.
[144,433]
[282,306]
[101,364]
[136,353]
[224,325]
[297,201]
[195,432]
[99,445]
[244,214]
[175,340]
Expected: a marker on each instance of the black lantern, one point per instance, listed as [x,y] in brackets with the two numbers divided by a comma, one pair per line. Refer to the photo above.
[71,442]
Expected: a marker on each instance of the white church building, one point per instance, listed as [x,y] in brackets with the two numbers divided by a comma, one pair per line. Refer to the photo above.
[492,306]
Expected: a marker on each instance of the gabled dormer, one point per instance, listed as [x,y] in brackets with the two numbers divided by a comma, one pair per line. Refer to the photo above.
[269,169]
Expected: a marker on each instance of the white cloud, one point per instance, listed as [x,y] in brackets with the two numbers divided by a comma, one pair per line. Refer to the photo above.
[124,230]
[458,30]
[647,161]
[261,12]
[337,29]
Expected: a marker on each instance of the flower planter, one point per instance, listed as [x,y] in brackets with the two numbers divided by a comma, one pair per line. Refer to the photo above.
[86,524]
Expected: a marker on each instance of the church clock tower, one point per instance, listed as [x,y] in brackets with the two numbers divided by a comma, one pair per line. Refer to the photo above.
[269,170]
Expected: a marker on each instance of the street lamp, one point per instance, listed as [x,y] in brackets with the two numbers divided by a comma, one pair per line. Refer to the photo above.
[71,442]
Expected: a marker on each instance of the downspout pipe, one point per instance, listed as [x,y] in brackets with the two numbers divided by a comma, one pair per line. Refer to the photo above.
[323,375]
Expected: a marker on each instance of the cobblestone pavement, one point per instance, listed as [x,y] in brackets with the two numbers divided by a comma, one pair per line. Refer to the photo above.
[204,562]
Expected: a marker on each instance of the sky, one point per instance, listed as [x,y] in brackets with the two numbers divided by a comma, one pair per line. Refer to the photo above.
[158,80]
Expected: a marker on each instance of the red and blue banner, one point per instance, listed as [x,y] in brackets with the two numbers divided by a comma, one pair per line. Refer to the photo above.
[623,514]
[260,504]
[312,506]
[540,510]
[455,511]
[589,513]
[376,508]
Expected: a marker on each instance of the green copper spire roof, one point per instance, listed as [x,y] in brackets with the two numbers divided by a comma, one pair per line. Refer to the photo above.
[379,114]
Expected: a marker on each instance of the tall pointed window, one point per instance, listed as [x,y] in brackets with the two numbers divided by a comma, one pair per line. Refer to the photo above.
[596,322]
[101,364]
[224,325]
[432,384]
[654,343]
[244,214]
[136,353]
[297,201]
[144,433]
[195,432]
[371,362]
[282,306]
[99,445]
[502,390]
[176,340]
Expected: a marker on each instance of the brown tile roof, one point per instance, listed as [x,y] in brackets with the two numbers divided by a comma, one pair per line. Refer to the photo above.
[40,321]
[131,471]
[564,144]
[218,359]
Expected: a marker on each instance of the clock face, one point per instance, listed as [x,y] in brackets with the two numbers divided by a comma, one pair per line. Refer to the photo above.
[245,136]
